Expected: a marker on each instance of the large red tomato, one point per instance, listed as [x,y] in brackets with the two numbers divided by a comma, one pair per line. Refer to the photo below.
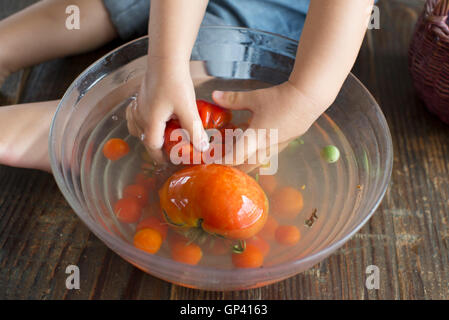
[219,199]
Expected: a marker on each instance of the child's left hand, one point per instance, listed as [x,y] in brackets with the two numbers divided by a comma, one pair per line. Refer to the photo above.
[282,107]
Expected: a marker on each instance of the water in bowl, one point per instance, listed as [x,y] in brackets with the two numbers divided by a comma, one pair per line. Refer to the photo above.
[331,191]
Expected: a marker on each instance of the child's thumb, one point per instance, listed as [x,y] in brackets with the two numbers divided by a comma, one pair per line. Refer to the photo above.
[236,100]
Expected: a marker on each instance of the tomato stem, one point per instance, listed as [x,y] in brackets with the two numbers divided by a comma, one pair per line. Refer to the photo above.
[170,221]
[239,247]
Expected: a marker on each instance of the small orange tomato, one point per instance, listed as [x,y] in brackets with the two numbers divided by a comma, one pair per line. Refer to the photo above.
[185,252]
[287,235]
[251,257]
[155,223]
[148,240]
[260,243]
[115,149]
[268,183]
[146,181]
[136,191]
[269,229]
[128,210]
[286,202]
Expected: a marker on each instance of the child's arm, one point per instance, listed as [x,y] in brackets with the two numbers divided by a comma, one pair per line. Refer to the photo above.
[38,33]
[329,45]
[167,89]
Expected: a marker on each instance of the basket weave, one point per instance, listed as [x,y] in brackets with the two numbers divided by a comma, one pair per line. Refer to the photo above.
[429,57]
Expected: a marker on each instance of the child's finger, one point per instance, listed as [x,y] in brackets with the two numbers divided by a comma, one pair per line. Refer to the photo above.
[244,148]
[236,100]
[154,130]
[156,155]
[191,122]
[131,123]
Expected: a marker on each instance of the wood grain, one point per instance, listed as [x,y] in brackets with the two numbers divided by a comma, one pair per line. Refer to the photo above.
[407,238]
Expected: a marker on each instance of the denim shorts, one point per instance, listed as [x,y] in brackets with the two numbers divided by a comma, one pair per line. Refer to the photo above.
[284,17]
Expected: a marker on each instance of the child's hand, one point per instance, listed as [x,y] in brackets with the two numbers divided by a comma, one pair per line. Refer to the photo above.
[281,107]
[166,92]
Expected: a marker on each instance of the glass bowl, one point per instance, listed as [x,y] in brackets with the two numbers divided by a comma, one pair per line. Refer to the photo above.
[234,58]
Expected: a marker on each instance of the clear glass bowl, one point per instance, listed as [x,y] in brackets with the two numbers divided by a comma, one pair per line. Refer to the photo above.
[229,57]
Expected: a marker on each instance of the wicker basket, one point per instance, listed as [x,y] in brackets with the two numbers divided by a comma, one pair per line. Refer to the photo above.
[429,57]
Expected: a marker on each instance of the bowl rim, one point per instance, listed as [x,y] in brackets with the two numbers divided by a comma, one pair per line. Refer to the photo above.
[119,245]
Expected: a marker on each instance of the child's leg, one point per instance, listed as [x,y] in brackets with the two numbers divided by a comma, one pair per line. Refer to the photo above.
[24,138]
[31,36]
[39,33]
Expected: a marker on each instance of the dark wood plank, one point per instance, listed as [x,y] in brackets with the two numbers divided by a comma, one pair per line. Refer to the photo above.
[415,208]
[407,238]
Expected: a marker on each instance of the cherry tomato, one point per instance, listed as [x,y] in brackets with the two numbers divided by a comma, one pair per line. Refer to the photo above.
[251,257]
[115,149]
[148,240]
[260,243]
[145,180]
[128,210]
[287,235]
[137,191]
[185,252]
[155,223]
[286,202]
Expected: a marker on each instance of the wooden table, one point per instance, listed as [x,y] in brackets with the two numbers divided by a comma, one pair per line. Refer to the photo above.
[407,238]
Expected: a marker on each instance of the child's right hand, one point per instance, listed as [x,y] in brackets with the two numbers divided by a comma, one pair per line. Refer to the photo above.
[166,92]
[167,89]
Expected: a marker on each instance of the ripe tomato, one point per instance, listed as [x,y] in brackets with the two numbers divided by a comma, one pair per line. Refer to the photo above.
[145,180]
[260,243]
[182,250]
[287,235]
[286,202]
[155,223]
[148,240]
[212,117]
[252,257]
[128,210]
[220,199]
[115,149]
[137,191]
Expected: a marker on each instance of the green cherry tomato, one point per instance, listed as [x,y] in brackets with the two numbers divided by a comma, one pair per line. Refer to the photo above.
[330,154]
